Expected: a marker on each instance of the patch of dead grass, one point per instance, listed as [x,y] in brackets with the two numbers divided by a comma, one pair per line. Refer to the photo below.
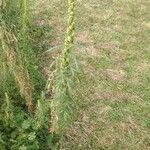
[88,48]
[115,75]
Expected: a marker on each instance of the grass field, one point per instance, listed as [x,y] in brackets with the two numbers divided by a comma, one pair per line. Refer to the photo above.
[113,45]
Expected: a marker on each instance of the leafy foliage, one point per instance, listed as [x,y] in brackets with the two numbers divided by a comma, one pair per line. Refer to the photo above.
[19,130]
[20,127]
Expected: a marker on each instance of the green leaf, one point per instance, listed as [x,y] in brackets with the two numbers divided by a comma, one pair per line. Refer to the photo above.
[32,136]
[26,124]
[23,147]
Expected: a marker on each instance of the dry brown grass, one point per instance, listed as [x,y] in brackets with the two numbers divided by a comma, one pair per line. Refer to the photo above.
[88,48]
[115,75]
[16,65]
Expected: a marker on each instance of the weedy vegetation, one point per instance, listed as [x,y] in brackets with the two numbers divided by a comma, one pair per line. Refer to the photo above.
[29,119]
[47,101]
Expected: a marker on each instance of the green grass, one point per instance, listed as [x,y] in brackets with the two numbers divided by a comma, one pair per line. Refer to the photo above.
[114,92]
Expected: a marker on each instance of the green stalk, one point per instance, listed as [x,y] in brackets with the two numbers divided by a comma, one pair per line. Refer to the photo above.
[23,23]
[62,110]
[8,110]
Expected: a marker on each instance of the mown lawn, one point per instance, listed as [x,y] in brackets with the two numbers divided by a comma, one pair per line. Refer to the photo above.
[113,46]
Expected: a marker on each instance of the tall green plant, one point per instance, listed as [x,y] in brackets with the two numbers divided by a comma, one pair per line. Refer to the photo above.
[26,46]
[23,35]
[62,104]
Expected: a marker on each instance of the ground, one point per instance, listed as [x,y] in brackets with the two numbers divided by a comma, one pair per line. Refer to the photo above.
[113,47]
